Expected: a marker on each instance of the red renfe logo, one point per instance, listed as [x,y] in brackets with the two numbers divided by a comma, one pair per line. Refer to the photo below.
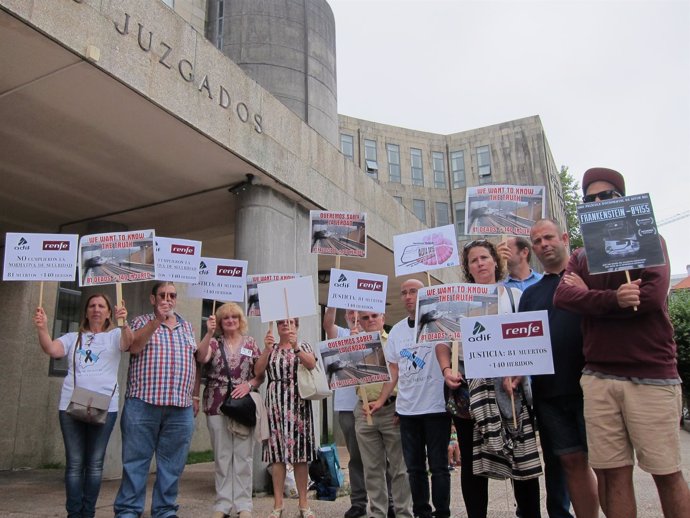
[522,329]
[56,246]
[229,271]
[364,284]
[182,249]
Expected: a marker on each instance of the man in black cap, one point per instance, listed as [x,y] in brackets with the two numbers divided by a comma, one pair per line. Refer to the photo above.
[630,379]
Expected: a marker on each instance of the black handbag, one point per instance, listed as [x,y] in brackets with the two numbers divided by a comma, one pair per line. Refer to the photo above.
[242,410]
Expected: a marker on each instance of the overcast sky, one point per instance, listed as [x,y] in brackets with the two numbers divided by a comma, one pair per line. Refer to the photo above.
[609,79]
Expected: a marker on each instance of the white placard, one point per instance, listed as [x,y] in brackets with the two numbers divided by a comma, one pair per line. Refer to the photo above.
[440,309]
[117,257]
[425,250]
[357,290]
[177,260]
[338,233]
[253,305]
[220,279]
[354,360]
[293,298]
[503,209]
[40,257]
[516,344]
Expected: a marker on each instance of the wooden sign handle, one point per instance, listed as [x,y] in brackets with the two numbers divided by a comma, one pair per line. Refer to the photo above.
[118,302]
[40,296]
[454,357]
[627,276]
[365,407]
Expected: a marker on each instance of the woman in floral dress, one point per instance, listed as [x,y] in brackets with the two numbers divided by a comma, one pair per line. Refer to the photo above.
[289,416]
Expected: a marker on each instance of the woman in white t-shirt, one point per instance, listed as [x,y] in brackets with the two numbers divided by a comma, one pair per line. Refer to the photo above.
[94,358]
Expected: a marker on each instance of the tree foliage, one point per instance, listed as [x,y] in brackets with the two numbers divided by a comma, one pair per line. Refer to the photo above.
[679,311]
[571,197]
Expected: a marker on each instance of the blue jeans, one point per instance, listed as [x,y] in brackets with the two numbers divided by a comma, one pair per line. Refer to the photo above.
[84,451]
[148,429]
[425,437]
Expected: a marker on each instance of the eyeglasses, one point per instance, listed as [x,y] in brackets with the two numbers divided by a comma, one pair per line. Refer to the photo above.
[603,195]
[370,317]
[163,296]
[476,242]
[285,322]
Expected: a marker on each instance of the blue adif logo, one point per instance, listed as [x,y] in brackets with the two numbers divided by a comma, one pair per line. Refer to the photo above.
[415,361]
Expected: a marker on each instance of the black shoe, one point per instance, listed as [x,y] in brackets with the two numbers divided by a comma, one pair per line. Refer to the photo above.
[355,512]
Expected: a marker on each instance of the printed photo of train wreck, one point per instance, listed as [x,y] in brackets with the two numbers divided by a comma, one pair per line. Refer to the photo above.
[117,257]
[440,308]
[338,233]
[503,209]
[354,360]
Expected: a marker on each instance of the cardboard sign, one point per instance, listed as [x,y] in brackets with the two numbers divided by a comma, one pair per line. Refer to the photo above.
[253,306]
[357,290]
[354,360]
[220,279]
[425,250]
[338,233]
[620,234]
[117,257]
[40,257]
[503,209]
[293,298]
[441,308]
[515,344]
[177,260]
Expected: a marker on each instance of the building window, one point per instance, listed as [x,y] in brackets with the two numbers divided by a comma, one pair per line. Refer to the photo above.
[419,209]
[442,216]
[483,161]
[347,145]
[417,171]
[393,151]
[457,166]
[68,313]
[219,24]
[460,219]
[372,166]
[438,163]
[398,199]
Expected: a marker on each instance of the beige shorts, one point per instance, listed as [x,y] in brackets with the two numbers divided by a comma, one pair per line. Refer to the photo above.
[623,417]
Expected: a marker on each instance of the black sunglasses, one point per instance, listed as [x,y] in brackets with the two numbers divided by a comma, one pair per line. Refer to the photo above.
[476,242]
[603,195]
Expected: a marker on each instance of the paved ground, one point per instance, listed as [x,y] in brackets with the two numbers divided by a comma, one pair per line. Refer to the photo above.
[40,493]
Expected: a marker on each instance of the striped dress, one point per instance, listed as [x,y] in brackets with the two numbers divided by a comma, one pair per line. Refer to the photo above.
[290,419]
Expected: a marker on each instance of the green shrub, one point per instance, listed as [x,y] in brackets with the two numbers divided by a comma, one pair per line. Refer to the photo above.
[679,311]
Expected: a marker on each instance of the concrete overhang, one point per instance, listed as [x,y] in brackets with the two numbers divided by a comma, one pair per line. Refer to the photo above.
[122,111]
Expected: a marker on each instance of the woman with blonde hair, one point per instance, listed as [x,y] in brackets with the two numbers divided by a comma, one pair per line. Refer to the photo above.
[93,355]
[230,366]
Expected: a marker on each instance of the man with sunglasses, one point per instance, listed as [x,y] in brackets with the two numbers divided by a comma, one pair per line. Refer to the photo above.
[379,442]
[158,414]
[630,382]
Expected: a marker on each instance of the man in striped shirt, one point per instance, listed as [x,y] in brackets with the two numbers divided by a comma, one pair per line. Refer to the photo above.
[158,414]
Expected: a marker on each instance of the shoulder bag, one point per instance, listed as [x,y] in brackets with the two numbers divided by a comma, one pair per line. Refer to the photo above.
[312,384]
[242,410]
[87,405]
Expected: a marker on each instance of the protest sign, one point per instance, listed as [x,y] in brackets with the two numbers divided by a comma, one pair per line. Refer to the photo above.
[425,250]
[290,298]
[220,279]
[440,309]
[177,260]
[338,233]
[354,360]
[503,209]
[117,257]
[620,234]
[253,308]
[514,344]
[40,257]
[357,290]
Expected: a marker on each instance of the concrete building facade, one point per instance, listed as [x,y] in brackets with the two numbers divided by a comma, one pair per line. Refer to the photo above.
[123,115]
